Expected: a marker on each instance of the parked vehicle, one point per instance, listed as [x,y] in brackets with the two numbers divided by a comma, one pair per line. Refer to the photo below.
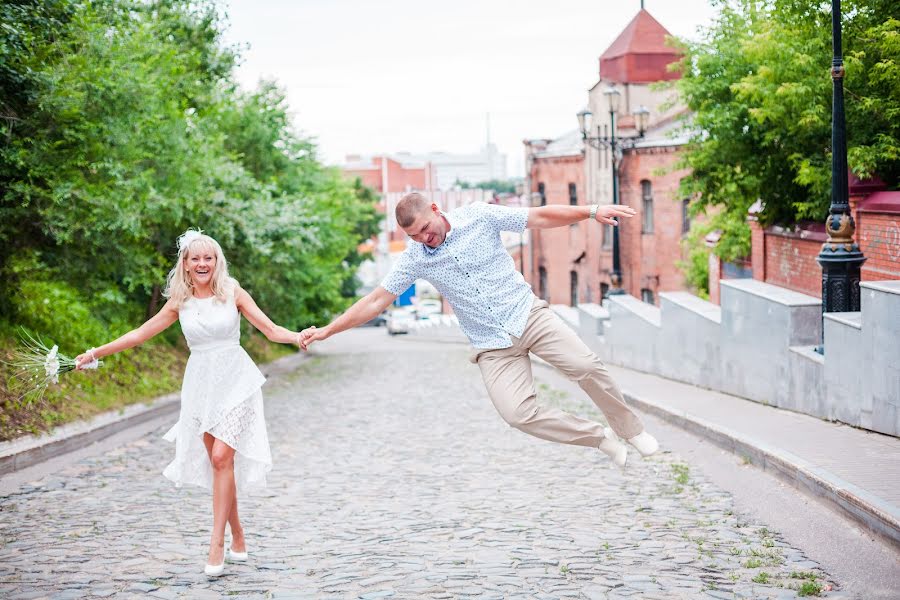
[428,307]
[399,320]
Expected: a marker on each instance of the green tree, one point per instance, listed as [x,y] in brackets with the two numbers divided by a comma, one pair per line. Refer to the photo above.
[124,127]
[759,93]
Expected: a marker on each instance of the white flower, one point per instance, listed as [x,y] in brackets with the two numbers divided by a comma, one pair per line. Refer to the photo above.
[51,365]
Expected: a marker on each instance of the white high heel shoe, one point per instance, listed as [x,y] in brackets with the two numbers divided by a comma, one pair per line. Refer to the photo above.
[236,556]
[214,570]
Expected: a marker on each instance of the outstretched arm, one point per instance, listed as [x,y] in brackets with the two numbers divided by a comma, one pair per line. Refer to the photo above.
[557,215]
[259,319]
[156,324]
[363,310]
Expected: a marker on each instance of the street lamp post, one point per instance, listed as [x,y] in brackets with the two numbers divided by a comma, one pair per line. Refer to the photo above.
[616,146]
[840,256]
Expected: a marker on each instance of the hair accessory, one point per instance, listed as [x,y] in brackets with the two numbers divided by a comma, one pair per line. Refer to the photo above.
[187,237]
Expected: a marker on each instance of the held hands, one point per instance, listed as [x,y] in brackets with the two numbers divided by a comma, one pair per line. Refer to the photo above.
[310,335]
[606,212]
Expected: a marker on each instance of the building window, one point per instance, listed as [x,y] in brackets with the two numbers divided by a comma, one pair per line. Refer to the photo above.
[542,283]
[573,288]
[541,191]
[573,194]
[685,216]
[647,206]
[647,296]
[604,291]
[607,237]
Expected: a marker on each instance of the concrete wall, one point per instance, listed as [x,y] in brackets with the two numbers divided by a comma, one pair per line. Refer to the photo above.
[694,358]
[760,345]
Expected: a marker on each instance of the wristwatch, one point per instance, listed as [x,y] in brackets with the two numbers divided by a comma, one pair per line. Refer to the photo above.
[594,208]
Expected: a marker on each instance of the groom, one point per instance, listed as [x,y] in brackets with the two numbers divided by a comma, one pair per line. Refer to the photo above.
[462,255]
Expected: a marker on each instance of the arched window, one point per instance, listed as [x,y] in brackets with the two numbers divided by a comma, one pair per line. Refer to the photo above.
[647,206]
[542,283]
[541,191]
[573,194]
[573,288]
[685,216]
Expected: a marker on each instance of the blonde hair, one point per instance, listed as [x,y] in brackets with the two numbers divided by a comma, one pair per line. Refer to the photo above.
[180,286]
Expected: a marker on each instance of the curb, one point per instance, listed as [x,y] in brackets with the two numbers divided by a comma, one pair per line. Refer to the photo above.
[870,511]
[31,450]
[28,451]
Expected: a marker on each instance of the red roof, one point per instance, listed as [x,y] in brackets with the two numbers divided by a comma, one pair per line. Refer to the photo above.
[640,53]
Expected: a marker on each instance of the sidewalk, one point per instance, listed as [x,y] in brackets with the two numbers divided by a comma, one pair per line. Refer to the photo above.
[857,471]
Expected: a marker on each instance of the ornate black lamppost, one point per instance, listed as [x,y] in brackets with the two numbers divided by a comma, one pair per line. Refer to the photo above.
[840,256]
[616,145]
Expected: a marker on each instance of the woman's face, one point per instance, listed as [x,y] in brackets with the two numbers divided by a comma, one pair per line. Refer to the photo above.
[200,264]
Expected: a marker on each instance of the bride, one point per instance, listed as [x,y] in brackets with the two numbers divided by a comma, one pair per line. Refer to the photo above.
[220,437]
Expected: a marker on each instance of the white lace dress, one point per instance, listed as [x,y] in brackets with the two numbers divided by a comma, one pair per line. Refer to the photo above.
[220,395]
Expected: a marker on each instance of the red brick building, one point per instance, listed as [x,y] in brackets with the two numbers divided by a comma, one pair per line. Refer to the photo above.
[385,174]
[564,260]
[574,264]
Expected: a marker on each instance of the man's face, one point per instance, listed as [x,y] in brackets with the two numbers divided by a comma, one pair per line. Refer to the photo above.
[429,228]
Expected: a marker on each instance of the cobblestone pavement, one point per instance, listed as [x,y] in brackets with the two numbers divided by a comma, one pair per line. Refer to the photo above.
[394,477]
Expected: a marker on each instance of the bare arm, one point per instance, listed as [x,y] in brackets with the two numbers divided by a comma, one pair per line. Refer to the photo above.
[259,319]
[363,310]
[156,324]
[557,215]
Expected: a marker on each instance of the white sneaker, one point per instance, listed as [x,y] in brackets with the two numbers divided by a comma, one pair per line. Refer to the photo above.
[613,448]
[644,443]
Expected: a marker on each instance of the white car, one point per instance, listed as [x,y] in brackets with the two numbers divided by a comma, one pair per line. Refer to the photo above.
[399,320]
[428,307]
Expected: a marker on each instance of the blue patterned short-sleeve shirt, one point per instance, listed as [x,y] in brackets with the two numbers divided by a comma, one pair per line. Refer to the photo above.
[474,272]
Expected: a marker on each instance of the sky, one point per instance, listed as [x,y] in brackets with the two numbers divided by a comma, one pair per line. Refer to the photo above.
[385,76]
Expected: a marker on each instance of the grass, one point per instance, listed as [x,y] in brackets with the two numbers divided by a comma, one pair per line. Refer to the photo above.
[134,376]
[681,473]
[752,563]
[761,577]
[809,588]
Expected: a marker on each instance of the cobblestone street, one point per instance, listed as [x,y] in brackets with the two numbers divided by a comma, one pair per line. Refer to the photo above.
[395,477]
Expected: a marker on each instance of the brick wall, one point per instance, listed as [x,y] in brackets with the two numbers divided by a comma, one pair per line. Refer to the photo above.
[878,227]
[562,250]
[650,260]
[788,258]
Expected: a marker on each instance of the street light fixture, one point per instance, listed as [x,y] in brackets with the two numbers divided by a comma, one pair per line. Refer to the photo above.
[840,256]
[616,145]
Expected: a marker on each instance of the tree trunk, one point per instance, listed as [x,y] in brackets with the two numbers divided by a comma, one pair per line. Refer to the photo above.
[153,306]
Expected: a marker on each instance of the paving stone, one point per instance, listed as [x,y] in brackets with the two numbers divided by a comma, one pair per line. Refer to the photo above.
[386,485]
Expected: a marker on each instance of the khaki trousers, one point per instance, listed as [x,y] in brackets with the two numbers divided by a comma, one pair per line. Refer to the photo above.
[510,383]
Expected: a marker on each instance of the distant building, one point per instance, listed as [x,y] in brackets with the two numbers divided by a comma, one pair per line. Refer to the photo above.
[574,264]
[387,174]
[431,171]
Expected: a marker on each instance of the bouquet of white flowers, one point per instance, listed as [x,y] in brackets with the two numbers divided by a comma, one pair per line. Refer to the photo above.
[37,366]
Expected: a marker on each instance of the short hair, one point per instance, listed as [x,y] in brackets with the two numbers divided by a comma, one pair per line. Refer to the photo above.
[410,206]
